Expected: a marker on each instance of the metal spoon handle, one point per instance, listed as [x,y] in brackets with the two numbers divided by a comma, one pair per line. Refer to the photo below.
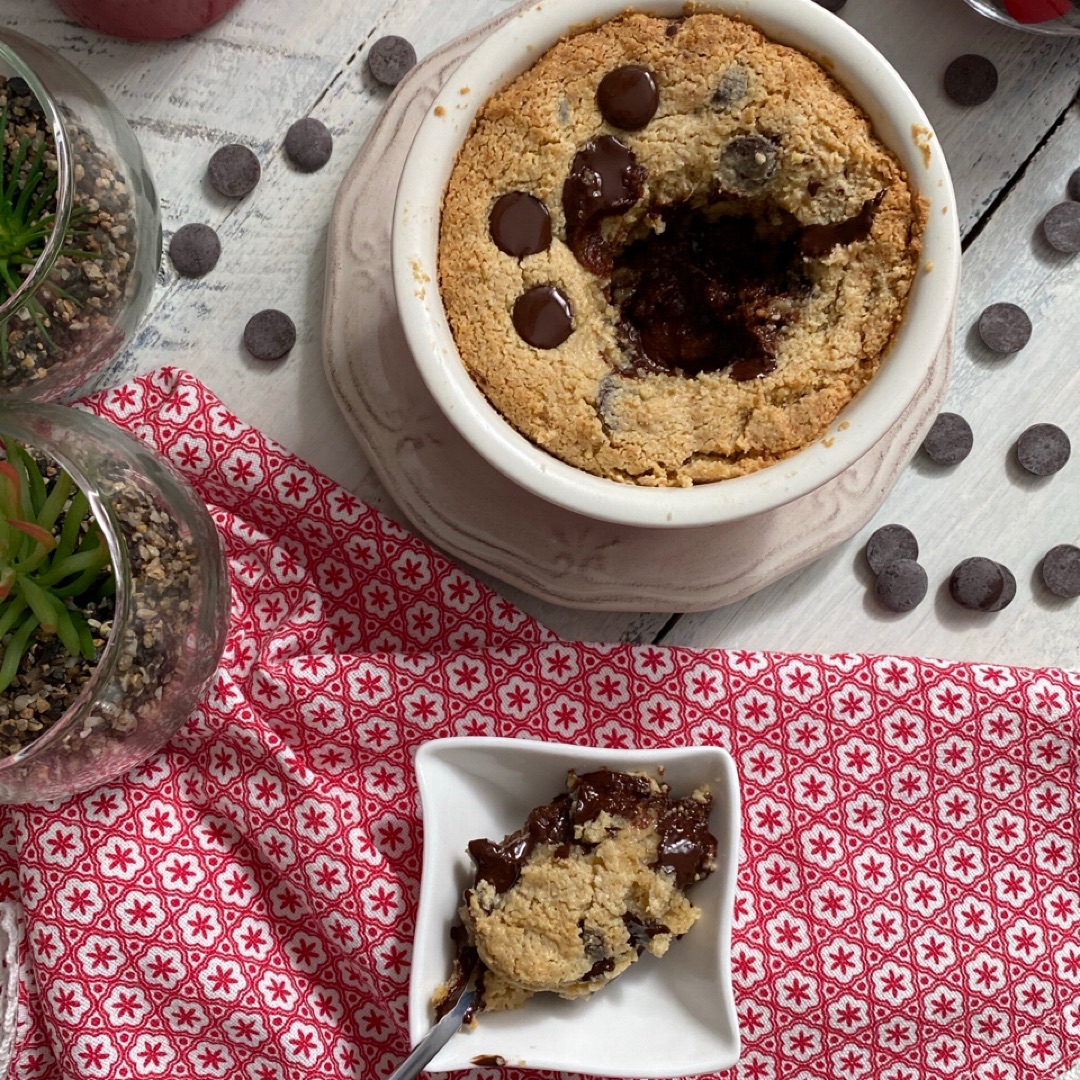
[435,1039]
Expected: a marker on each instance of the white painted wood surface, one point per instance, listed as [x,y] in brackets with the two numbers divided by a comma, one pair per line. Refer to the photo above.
[272,61]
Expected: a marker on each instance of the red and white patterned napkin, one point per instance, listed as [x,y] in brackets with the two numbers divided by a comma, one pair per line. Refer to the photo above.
[243,905]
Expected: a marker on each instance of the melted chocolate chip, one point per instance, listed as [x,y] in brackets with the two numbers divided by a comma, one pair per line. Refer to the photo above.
[686,846]
[520,224]
[706,295]
[465,961]
[489,1061]
[605,179]
[641,933]
[747,163]
[601,967]
[732,88]
[628,97]
[818,240]
[671,29]
[500,863]
[620,794]
[543,317]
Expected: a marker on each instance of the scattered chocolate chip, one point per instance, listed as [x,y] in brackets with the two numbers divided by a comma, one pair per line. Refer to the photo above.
[543,317]
[309,144]
[1061,227]
[901,585]
[269,334]
[194,250]
[1043,449]
[671,29]
[233,170]
[1061,571]
[1004,328]
[732,88]
[747,162]
[971,79]
[981,584]
[1074,185]
[890,544]
[628,97]
[832,5]
[949,440]
[605,178]
[520,224]
[390,59]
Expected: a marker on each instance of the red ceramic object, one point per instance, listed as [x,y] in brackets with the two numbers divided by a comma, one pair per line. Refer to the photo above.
[144,20]
[1037,11]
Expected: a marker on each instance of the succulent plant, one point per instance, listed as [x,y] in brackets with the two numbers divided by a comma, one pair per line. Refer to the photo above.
[53,558]
[27,219]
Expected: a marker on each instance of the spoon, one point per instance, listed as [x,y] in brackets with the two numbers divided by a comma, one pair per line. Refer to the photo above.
[435,1039]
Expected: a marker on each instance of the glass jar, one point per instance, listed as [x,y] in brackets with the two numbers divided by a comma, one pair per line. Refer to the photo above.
[1055,17]
[171,609]
[71,297]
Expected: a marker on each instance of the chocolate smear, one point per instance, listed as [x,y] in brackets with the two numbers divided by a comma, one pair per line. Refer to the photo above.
[500,863]
[640,932]
[543,317]
[686,847]
[619,794]
[601,967]
[628,97]
[605,179]
[495,1061]
[520,224]
[465,961]
[818,240]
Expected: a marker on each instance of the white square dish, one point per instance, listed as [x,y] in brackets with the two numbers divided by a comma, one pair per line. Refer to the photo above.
[664,1017]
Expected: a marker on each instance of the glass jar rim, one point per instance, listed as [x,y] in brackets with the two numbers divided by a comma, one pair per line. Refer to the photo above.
[65,176]
[104,668]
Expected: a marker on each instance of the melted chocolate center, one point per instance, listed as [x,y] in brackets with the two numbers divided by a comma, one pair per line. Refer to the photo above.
[703,296]
[818,240]
[605,179]
[520,224]
[543,316]
[628,97]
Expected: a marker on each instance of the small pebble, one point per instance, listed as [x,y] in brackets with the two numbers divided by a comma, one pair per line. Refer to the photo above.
[971,79]
[889,544]
[194,250]
[390,59]
[1004,328]
[1061,227]
[1061,571]
[949,441]
[309,144]
[233,170]
[1043,449]
[1074,186]
[901,586]
[269,334]
[981,584]
[18,87]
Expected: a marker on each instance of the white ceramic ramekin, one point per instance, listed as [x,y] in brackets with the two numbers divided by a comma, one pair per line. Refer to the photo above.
[899,122]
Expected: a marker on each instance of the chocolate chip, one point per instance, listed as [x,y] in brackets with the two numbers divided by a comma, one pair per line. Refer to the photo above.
[1004,328]
[543,317]
[1061,571]
[747,162]
[901,586]
[832,5]
[309,144]
[949,440]
[628,97]
[971,79]
[671,29]
[269,334]
[732,88]
[1043,449]
[233,170]
[520,224]
[194,250]
[890,544]
[981,584]
[1061,226]
[1074,185]
[390,59]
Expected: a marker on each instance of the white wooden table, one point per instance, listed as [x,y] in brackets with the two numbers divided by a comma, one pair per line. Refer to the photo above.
[271,62]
